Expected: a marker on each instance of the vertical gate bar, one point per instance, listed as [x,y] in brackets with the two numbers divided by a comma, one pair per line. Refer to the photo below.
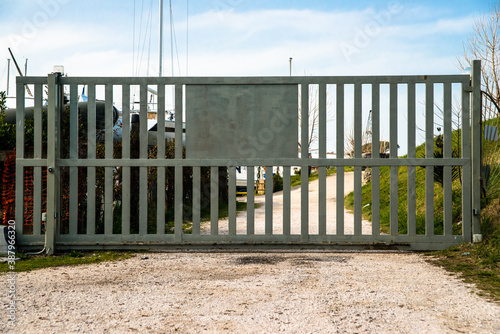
[53,111]
[179,205]
[393,111]
[376,154]
[286,200]
[250,200]
[269,200]
[91,155]
[160,142]
[429,153]
[126,155]
[73,154]
[466,169]
[358,144]
[214,200]
[178,121]
[108,152]
[232,200]
[178,217]
[37,177]
[20,105]
[447,153]
[143,155]
[340,155]
[476,147]
[322,154]
[412,176]
[304,186]
[38,99]
[196,199]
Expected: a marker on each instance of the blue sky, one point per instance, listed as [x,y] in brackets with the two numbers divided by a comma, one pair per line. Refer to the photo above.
[238,37]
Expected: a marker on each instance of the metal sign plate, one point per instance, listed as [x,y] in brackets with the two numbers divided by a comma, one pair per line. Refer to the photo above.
[241,121]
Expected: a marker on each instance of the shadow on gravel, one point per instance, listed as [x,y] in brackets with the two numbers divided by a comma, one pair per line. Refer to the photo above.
[296,260]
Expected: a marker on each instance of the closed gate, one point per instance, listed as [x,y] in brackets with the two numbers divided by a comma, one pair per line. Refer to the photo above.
[88,183]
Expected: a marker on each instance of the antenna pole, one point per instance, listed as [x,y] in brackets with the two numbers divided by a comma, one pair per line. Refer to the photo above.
[171,37]
[19,70]
[160,60]
[8,75]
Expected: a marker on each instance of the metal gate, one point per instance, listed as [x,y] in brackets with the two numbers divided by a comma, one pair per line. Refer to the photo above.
[91,187]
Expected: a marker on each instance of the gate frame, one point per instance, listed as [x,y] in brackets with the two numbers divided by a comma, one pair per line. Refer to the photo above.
[55,82]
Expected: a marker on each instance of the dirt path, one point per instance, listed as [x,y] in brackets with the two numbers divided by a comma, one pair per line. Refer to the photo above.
[331,188]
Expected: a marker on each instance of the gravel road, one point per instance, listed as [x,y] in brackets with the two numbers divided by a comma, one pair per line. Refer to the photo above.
[262,292]
[251,293]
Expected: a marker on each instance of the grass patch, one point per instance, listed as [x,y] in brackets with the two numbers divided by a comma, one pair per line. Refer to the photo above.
[295,179]
[477,263]
[473,265]
[402,199]
[32,262]
[224,210]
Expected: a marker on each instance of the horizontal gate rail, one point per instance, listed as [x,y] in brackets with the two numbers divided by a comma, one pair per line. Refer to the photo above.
[131,197]
[355,162]
[268,80]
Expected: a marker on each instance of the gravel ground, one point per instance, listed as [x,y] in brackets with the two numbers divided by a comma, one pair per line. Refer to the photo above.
[236,292]
[252,293]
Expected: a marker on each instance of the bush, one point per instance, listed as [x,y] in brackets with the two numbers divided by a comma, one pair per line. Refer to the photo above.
[277,183]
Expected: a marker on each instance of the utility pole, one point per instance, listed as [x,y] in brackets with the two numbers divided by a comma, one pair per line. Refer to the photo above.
[290,66]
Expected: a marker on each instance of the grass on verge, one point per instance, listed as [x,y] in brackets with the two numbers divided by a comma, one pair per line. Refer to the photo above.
[32,262]
[471,263]
[477,263]
[295,179]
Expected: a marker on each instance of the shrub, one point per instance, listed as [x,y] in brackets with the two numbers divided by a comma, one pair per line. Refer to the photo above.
[277,183]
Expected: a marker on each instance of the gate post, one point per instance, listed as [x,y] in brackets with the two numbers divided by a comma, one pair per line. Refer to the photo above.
[476,150]
[53,111]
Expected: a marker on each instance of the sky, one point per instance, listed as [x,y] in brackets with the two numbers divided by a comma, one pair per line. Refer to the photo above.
[236,37]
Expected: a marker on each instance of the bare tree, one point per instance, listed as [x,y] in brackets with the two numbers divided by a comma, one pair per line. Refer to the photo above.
[484,45]
[366,146]
[313,115]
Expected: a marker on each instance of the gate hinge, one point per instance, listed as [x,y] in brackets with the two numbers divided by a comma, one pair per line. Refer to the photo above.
[468,88]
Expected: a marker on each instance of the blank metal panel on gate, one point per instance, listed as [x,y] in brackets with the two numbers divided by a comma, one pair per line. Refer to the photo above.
[241,121]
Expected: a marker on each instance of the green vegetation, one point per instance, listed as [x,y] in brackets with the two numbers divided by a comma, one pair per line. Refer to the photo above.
[384,196]
[32,262]
[477,263]
[402,202]
[7,131]
[295,179]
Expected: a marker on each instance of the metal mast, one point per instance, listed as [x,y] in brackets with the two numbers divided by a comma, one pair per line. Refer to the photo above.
[8,75]
[160,60]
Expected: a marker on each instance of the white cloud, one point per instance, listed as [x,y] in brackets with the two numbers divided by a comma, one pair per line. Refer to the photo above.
[258,42]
